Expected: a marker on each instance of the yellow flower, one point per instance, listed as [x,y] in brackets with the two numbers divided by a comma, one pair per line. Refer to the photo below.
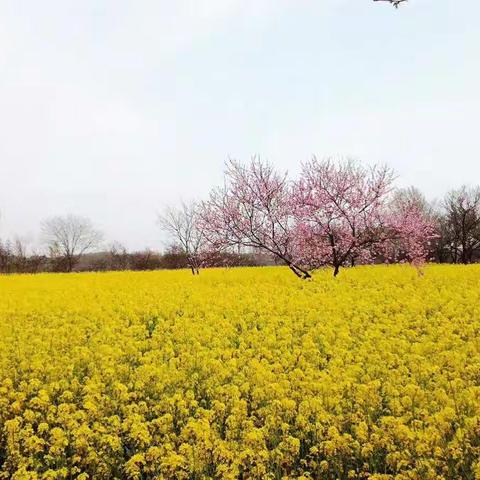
[241,373]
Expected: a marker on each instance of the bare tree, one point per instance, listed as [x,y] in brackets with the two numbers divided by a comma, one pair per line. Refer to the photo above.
[183,226]
[118,256]
[6,257]
[461,224]
[20,254]
[404,197]
[145,259]
[69,237]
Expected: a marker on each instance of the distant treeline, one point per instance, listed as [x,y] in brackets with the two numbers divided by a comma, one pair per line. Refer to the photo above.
[13,259]
[336,213]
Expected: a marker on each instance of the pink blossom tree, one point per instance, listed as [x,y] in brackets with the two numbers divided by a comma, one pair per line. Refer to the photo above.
[252,209]
[339,212]
[346,214]
[411,229]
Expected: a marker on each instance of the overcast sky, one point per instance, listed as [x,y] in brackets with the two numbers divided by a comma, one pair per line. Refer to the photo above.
[110,109]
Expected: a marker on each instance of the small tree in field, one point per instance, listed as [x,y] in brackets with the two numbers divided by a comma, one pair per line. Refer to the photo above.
[184,226]
[69,237]
[252,210]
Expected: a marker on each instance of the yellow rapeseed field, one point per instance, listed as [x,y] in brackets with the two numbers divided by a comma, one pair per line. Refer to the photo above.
[241,373]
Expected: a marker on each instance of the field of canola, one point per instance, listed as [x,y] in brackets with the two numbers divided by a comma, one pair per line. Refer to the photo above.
[242,373]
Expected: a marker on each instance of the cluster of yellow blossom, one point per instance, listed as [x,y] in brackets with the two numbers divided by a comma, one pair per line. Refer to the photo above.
[241,374]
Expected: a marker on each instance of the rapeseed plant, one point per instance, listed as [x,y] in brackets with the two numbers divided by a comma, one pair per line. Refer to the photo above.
[242,373]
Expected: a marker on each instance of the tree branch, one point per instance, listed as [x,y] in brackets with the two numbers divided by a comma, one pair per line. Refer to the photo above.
[395,3]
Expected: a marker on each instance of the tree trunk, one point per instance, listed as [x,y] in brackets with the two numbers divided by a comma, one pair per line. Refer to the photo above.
[299,272]
[293,269]
[336,270]
[192,263]
[464,254]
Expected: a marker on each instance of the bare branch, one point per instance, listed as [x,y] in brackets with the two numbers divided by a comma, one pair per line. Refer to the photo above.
[395,3]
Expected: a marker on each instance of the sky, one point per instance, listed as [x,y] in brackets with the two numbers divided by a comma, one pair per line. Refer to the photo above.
[112,109]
